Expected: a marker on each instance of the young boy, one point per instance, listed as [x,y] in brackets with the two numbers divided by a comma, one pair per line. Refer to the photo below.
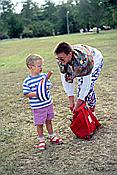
[36,87]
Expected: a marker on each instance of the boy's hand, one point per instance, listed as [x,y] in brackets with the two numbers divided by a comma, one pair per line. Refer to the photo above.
[49,74]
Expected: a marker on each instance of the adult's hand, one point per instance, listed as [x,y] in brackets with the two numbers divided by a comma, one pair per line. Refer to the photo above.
[77,105]
[71,103]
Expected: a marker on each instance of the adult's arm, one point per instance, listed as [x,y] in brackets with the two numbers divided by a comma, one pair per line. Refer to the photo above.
[69,89]
[85,87]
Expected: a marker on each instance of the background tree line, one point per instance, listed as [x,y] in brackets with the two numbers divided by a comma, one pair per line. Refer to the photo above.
[51,19]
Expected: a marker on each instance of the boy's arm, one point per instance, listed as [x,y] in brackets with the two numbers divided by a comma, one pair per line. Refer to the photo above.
[31,94]
[49,84]
[34,94]
[49,74]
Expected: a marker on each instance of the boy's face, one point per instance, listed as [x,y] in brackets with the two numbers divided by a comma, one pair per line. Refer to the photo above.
[64,58]
[36,68]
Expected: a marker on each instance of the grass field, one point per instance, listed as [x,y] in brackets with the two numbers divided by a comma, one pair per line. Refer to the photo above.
[17,132]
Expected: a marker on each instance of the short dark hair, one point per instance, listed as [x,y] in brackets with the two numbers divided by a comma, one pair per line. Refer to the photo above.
[63,47]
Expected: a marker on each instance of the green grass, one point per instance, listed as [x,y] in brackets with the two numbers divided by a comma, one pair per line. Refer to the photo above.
[17,132]
[13,52]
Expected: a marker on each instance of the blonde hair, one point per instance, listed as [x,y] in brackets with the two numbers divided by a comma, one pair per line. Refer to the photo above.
[32,58]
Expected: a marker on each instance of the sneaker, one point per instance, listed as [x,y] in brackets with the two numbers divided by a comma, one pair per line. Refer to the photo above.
[41,146]
[56,140]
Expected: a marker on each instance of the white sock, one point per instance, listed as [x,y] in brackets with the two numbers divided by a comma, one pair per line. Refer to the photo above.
[41,138]
[51,135]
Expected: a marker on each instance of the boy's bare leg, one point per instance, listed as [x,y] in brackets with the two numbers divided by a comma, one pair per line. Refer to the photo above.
[49,126]
[52,135]
[40,130]
[42,145]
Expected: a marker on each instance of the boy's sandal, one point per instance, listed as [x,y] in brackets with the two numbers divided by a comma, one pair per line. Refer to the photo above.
[41,145]
[56,140]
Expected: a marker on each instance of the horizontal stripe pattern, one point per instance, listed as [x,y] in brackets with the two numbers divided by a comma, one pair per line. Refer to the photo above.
[30,84]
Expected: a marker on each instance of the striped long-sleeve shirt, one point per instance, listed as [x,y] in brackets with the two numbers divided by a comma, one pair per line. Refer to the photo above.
[30,85]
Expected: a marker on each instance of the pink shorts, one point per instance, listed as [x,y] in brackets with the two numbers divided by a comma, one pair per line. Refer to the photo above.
[43,114]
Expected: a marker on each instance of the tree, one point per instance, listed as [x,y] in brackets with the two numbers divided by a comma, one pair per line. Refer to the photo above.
[61,18]
[6,8]
[84,15]
[35,21]
[111,13]
[96,12]
[15,27]
[49,11]
[91,13]
[42,28]
[30,10]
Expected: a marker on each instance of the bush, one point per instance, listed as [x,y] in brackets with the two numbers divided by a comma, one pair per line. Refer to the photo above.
[42,28]
[3,36]
[28,34]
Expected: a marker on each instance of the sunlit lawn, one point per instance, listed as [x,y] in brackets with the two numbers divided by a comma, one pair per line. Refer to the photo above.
[17,132]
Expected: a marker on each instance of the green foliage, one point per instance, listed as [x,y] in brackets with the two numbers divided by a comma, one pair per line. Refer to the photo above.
[42,28]
[15,27]
[27,33]
[6,8]
[49,19]
[29,10]
[1,26]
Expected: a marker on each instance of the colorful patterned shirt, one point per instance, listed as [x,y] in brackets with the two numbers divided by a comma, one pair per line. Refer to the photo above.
[80,67]
[81,63]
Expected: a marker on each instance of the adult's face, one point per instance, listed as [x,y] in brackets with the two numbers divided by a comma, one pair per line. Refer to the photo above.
[64,58]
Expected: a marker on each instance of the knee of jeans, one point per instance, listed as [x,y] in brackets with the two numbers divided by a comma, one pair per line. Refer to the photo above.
[92,108]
